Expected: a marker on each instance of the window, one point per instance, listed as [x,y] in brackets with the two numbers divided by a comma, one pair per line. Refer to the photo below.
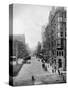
[60,14]
[58,46]
[58,34]
[58,26]
[59,53]
[61,26]
[62,53]
[61,34]
[64,14]
[64,26]
[59,19]
[62,42]
[58,42]
[64,19]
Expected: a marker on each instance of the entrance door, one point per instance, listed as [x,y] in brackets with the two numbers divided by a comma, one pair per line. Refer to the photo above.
[60,63]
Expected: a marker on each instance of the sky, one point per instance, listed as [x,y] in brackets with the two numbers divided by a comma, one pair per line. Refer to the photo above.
[28,20]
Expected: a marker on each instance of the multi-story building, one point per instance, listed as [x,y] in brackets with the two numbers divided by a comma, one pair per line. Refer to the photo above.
[56,38]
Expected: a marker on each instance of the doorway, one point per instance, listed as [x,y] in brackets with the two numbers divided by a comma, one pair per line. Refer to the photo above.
[60,63]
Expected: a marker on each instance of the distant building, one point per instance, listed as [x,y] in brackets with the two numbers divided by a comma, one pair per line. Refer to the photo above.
[19,37]
[17,46]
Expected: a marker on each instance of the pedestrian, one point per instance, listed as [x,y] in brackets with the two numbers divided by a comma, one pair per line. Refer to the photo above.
[58,71]
[45,68]
[33,78]
[63,76]
[52,71]
[55,68]
[43,65]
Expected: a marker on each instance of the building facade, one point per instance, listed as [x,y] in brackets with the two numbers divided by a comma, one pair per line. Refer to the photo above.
[56,38]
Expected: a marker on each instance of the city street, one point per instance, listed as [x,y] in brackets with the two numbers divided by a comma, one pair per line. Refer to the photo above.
[35,69]
[37,46]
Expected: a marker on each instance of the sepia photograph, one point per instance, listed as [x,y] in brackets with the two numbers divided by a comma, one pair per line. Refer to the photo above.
[37,44]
